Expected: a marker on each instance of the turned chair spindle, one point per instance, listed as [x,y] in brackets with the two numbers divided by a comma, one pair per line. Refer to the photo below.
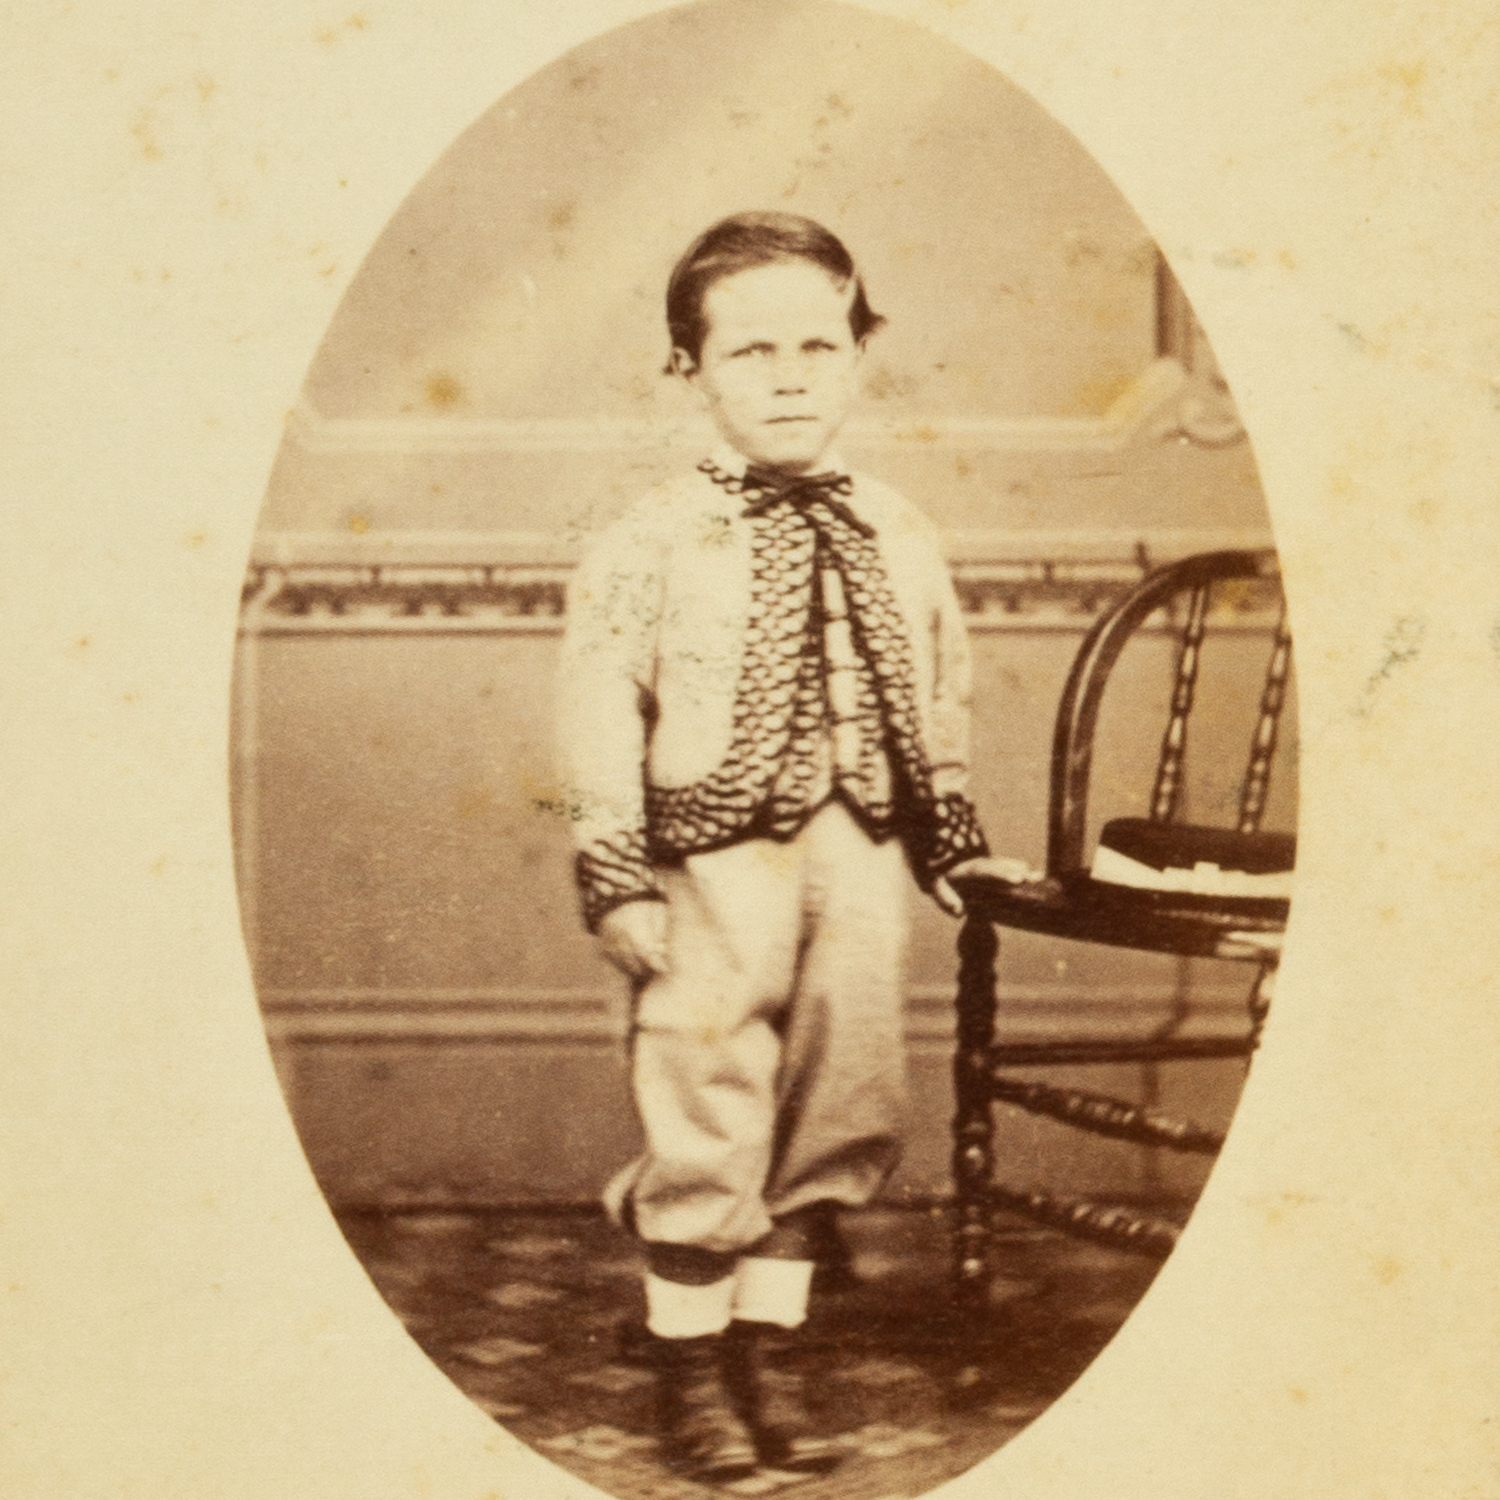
[1200,892]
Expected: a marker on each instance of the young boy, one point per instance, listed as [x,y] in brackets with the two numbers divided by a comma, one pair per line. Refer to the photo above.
[764,715]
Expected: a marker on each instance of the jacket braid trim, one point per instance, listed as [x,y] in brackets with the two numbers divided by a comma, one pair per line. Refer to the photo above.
[612,871]
[780,706]
[953,835]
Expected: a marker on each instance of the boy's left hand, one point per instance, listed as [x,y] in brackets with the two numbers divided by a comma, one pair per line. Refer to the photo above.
[996,866]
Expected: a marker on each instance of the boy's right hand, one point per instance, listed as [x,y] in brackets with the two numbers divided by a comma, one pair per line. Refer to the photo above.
[633,937]
[996,866]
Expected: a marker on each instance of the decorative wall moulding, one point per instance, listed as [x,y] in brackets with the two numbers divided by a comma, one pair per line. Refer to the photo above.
[312,584]
[1144,408]
[506,1017]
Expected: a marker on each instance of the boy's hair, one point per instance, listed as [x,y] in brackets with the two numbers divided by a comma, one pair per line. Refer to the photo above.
[742,242]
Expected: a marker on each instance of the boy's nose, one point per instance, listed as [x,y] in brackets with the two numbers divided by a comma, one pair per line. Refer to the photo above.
[791,373]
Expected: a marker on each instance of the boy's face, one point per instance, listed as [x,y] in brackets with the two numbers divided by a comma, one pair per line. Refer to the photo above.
[779,364]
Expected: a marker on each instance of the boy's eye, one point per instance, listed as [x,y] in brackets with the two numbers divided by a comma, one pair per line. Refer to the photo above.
[818,346]
[748,349]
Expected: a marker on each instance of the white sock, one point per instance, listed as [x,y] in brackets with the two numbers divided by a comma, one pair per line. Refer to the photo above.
[677,1311]
[772,1291]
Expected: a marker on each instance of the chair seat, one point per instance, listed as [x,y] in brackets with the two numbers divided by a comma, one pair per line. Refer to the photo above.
[1096,911]
[1167,845]
[1192,859]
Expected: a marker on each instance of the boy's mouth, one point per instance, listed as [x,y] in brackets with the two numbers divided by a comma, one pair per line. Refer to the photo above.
[774,421]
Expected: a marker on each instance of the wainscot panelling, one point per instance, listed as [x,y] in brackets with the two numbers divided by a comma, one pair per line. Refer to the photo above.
[433,1098]
[442,1026]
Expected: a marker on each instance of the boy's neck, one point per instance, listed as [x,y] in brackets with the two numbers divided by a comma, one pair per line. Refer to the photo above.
[733,461]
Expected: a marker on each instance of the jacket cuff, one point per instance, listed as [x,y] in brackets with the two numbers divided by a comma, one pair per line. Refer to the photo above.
[612,871]
[953,835]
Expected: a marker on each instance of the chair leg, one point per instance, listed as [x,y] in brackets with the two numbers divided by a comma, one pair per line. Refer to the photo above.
[1260,1002]
[973,1124]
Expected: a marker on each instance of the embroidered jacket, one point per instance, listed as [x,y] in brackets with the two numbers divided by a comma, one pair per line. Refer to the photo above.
[734,658]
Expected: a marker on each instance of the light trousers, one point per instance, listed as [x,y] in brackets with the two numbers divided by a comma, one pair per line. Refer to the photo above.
[767,1063]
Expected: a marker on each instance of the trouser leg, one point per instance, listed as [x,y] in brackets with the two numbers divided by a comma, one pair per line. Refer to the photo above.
[707,1048]
[840,1106]
[768,1063]
[704,1062]
[842,1081]
[783,993]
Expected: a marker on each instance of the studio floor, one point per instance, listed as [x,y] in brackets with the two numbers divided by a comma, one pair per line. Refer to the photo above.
[529,1314]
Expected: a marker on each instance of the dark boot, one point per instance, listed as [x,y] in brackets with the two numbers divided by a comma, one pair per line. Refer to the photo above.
[699,1428]
[835,1261]
[769,1397]
[812,1233]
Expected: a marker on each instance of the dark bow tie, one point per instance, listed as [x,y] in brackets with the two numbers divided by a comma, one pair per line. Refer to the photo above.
[827,489]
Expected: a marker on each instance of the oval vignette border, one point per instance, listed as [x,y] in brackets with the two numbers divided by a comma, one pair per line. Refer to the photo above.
[1394,1371]
[417,410]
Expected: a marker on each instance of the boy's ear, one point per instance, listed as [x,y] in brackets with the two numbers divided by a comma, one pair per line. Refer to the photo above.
[680,362]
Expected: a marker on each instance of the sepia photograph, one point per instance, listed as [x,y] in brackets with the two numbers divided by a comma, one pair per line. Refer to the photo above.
[749,751]
[744,552]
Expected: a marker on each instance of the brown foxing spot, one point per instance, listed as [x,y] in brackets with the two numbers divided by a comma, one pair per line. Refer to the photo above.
[1110,313]
[1099,395]
[474,803]
[329,36]
[443,391]
[882,383]
[143,128]
[1409,78]
[1277,1209]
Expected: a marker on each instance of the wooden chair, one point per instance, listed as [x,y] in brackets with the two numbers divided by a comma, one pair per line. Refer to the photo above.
[1223,915]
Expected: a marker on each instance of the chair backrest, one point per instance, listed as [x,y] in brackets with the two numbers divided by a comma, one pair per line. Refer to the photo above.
[1078,712]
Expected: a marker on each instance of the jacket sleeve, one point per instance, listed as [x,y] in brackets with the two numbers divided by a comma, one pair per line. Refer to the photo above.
[953,833]
[604,694]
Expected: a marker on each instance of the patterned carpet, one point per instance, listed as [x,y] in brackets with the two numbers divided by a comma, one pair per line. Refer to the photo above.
[524,1311]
